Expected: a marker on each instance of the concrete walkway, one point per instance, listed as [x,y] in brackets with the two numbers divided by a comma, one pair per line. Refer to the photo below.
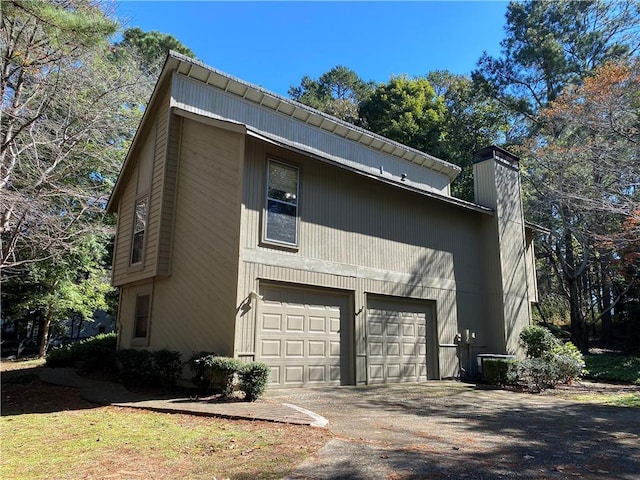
[111,393]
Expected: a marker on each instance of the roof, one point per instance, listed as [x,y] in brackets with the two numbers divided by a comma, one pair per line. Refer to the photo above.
[180,66]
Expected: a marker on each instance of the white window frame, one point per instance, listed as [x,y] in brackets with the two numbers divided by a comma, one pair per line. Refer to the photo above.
[268,199]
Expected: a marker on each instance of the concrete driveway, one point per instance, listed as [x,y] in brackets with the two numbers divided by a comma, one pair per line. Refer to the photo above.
[453,430]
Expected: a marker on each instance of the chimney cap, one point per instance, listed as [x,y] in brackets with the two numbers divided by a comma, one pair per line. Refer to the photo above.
[496,152]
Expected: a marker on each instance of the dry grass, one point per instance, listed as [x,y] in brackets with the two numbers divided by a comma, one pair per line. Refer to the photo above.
[49,432]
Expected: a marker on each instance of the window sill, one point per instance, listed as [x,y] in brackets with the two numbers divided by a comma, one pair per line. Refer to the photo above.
[279,246]
[140,342]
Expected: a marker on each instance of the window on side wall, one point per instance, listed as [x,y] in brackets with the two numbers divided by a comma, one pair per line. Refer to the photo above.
[281,213]
[139,229]
[141,324]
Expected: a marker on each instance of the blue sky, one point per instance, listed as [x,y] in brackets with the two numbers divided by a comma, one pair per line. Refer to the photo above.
[274,44]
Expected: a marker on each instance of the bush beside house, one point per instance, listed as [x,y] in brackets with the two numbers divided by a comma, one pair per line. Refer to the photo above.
[549,363]
[213,374]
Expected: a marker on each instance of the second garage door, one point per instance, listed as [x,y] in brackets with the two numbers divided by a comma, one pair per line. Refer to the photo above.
[401,340]
[304,336]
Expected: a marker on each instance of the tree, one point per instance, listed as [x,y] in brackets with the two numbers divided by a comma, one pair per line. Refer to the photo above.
[59,288]
[337,92]
[472,120]
[407,111]
[550,45]
[69,107]
[152,48]
[584,167]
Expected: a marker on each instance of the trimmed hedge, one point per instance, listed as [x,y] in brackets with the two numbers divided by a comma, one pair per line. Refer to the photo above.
[496,371]
[214,374]
[96,354]
[159,367]
[253,380]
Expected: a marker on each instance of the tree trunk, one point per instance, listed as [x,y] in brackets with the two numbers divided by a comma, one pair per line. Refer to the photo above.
[579,333]
[606,334]
[44,339]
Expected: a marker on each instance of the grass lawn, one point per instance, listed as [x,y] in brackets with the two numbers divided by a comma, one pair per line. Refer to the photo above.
[50,432]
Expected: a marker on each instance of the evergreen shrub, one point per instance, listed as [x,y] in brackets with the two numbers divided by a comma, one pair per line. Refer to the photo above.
[253,378]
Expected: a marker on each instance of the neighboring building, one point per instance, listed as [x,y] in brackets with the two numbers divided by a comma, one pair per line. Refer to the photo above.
[259,228]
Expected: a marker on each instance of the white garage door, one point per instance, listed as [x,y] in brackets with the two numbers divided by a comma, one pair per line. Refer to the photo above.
[397,333]
[303,336]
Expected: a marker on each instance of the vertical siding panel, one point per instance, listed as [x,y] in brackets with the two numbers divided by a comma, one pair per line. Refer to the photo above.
[419,247]
[195,306]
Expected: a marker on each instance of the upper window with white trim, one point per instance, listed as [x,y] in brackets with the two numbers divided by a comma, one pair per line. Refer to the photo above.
[281,217]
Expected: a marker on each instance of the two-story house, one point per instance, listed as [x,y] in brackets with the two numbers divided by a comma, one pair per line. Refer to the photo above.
[259,228]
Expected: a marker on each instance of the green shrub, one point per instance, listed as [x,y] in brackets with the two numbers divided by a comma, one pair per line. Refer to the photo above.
[538,341]
[135,365]
[158,368]
[97,354]
[533,374]
[63,356]
[568,361]
[253,378]
[214,374]
[495,371]
[167,367]
[560,364]
[198,367]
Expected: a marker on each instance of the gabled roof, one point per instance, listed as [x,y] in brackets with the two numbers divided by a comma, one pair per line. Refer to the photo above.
[189,68]
[199,71]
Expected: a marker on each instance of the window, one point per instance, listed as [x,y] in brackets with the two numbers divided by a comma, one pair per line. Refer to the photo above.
[281,223]
[141,326]
[139,227]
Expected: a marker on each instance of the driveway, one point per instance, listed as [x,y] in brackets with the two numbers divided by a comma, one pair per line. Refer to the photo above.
[453,430]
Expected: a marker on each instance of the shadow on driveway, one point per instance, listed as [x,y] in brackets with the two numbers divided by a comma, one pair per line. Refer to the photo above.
[453,430]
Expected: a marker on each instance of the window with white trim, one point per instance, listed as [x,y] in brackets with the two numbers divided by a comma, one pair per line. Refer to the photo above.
[281,216]
[139,229]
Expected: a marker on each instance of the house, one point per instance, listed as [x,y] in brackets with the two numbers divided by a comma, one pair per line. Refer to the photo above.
[256,227]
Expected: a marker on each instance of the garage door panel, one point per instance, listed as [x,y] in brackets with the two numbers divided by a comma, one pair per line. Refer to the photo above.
[317,374]
[295,323]
[293,374]
[392,330]
[393,349]
[396,336]
[376,327]
[300,335]
[274,375]
[272,322]
[317,324]
[295,348]
[271,348]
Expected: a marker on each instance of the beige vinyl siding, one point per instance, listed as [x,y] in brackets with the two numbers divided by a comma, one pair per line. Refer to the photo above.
[194,308]
[169,189]
[127,312]
[153,141]
[363,236]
